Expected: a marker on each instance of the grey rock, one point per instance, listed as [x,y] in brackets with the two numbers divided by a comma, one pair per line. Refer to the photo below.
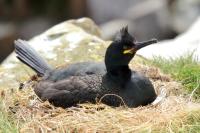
[183,14]
[145,18]
[60,45]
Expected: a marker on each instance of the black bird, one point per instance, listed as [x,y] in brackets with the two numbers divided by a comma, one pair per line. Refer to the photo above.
[113,81]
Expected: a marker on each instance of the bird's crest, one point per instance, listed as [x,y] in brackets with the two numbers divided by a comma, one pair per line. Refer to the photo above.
[125,36]
[124,31]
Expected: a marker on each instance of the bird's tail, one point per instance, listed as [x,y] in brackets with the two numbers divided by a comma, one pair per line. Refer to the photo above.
[31,58]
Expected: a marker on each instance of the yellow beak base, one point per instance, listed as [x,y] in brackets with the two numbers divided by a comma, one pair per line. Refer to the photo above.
[129,51]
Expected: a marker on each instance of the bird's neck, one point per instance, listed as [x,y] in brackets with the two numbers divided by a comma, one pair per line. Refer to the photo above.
[119,74]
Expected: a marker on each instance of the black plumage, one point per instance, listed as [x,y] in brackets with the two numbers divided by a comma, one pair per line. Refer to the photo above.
[90,81]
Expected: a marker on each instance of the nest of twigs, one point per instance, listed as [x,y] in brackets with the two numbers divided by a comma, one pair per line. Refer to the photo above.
[174,109]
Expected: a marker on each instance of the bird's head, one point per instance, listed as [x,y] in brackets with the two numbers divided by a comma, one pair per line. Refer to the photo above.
[123,48]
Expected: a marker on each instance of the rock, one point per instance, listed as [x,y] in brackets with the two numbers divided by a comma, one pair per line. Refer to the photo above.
[145,18]
[185,43]
[64,43]
[88,25]
[106,10]
[162,19]
[183,14]
[150,18]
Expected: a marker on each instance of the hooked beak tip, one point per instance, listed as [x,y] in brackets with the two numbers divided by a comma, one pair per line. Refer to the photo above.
[154,40]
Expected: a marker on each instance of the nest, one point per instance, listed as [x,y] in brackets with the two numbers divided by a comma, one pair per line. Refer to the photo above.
[174,109]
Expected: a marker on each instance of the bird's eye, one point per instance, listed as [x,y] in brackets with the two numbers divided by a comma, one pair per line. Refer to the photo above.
[125,47]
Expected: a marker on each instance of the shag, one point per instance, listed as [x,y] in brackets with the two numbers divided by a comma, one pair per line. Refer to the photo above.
[111,82]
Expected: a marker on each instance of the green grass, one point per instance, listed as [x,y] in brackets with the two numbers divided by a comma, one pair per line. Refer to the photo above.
[184,69]
[7,123]
[191,124]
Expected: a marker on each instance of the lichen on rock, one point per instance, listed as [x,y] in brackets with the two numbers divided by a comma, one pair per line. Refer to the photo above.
[68,42]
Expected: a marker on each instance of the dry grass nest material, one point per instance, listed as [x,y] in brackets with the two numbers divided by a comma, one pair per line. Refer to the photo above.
[32,115]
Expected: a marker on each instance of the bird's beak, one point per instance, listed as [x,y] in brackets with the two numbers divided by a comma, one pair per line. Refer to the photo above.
[139,45]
